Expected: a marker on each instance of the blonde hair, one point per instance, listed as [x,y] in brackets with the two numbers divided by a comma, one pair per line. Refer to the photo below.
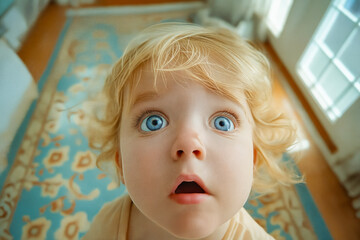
[201,52]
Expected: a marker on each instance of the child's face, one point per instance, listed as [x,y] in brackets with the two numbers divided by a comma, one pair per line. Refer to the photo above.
[184,132]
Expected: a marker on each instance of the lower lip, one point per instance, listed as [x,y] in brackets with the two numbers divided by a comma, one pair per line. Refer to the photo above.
[189,198]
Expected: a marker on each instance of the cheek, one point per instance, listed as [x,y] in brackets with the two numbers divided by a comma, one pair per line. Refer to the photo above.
[141,162]
[136,157]
[238,164]
[235,166]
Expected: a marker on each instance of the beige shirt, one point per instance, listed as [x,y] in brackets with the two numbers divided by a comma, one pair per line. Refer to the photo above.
[113,220]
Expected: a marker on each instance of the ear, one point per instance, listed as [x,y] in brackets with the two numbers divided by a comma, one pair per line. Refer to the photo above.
[119,167]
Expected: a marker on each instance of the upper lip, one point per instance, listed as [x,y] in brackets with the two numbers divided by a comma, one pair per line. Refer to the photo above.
[189,178]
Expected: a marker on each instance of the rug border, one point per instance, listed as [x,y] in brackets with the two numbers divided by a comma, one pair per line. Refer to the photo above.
[312,211]
[15,148]
[16,143]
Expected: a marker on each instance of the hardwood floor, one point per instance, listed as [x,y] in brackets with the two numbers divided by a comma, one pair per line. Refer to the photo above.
[328,194]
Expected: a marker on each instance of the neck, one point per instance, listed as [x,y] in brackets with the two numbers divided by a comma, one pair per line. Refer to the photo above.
[141,227]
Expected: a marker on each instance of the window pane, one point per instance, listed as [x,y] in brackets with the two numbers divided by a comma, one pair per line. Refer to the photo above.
[313,64]
[318,61]
[346,101]
[321,96]
[353,7]
[336,29]
[333,82]
[350,55]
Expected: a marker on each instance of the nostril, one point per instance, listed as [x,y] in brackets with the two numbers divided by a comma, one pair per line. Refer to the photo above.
[179,153]
[197,153]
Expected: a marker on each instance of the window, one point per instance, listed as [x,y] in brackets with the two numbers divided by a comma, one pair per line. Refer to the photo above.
[330,66]
[278,13]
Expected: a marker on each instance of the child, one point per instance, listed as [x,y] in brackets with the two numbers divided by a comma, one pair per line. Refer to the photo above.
[190,130]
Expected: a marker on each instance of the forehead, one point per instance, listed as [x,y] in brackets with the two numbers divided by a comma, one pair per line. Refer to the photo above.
[150,86]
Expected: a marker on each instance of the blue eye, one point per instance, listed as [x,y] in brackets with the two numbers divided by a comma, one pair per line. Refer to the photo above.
[153,123]
[223,124]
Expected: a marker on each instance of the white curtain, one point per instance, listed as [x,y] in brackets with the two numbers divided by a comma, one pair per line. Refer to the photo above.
[246,16]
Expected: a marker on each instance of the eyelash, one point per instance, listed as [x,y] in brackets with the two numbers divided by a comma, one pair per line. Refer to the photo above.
[139,118]
[230,114]
[227,113]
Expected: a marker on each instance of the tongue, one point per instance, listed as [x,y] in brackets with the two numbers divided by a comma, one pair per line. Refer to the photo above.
[189,187]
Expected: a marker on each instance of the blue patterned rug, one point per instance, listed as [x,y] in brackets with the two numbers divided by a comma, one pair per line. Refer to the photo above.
[52,188]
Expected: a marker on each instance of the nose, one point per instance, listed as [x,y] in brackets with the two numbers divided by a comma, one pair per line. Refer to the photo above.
[187,145]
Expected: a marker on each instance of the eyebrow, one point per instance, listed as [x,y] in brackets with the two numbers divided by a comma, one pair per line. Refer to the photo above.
[145,97]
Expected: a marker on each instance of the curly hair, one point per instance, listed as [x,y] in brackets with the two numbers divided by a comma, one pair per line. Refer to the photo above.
[202,53]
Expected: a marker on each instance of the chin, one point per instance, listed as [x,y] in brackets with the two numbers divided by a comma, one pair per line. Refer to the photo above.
[191,231]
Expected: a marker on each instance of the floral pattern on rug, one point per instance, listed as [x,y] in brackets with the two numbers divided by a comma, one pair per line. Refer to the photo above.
[54,190]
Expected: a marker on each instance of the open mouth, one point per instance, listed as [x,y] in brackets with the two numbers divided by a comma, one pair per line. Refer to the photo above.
[189,187]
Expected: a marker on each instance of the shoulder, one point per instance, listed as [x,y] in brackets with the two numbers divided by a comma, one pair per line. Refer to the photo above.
[245,227]
[114,208]
[107,222]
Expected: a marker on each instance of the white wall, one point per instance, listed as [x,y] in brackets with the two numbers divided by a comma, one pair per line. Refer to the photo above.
[301,24]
